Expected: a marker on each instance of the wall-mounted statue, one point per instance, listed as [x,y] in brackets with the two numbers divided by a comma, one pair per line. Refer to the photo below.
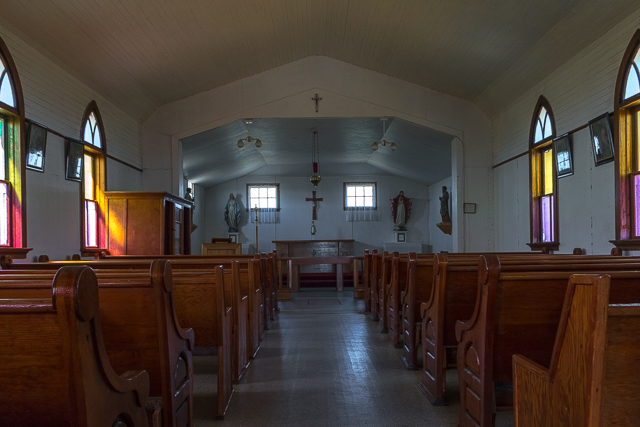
[444,205]
[232,214]
[400,211]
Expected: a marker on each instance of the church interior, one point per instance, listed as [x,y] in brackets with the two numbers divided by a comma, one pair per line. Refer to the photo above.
[405,143]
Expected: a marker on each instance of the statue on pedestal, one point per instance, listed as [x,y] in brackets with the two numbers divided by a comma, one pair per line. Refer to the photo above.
[444,226]
[444,205]
[400,211]
[232,214]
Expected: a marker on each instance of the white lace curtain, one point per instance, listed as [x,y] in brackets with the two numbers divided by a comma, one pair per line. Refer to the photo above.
[265,216]
[361,214]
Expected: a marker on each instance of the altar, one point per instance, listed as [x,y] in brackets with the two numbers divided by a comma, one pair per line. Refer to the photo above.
[299,258]
[314,248]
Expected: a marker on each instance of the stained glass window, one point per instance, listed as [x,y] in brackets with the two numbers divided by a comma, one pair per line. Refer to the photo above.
[93,180]
[543,178]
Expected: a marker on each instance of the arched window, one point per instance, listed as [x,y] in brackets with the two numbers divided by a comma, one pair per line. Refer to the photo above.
[93,181]
[626,129]
[12,171]
[544,193]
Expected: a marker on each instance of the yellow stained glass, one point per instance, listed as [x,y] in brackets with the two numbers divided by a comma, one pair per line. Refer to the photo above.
[547,168]
[89,177]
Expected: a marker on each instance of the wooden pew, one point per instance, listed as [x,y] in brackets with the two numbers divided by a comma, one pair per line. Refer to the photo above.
[515,313]
[453,298]
[374,284]
[398,285]
[592,378]
[420,277]
[367,264]
[203,302]
[250,283]
[53,364]
[269,270]
[140,329]
[384,283]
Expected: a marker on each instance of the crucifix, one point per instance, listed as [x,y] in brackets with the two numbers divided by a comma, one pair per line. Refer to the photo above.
[256,209]
[317,99]
[314,199]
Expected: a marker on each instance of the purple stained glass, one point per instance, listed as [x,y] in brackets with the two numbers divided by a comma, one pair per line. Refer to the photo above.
[547,218]
[636,200]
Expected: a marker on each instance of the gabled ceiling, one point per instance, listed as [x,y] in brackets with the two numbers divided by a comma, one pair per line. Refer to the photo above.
[141,54]
[423,155]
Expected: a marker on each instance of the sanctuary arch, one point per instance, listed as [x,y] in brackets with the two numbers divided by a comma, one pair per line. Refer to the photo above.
[347,91]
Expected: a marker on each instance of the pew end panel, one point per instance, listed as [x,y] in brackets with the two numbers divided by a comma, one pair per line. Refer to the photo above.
[420,278]
[592,378]
[60,340]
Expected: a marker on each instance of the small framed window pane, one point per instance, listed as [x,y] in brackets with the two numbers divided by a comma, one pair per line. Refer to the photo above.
[547,167]
[359,195]
[3,139]
[636,201]
[91,224]
[89,177]
[547,218]
[264,196]
[4,214]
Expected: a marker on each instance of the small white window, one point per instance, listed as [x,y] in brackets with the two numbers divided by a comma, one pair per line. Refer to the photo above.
[263,196]
[360,195]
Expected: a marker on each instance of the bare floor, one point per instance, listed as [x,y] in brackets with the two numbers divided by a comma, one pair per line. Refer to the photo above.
[324,363]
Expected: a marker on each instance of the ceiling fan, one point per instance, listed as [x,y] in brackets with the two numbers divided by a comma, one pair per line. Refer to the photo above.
[375,146]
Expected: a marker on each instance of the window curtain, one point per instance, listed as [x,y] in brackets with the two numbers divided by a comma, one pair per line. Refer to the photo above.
[361,214]
[265,216]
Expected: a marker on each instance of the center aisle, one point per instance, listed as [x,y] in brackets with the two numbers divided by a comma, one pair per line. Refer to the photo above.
[324,363]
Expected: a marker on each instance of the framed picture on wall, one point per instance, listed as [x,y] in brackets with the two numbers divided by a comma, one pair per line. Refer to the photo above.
[36,146]
[564,160]
[601,139]
[75,158]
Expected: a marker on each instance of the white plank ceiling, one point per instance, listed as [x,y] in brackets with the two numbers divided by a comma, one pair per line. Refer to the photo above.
[422,155]
[141,54]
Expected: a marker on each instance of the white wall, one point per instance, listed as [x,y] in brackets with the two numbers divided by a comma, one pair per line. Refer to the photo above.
[578,91]
[347,91]
[295,213]
[199,235]
[56,99]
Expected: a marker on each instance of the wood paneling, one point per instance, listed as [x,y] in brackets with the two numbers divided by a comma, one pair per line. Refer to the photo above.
[144,223]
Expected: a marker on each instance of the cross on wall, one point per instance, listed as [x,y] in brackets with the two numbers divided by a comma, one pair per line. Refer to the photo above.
[315,200]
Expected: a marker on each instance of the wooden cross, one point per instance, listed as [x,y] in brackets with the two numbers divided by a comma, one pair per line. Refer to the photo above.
[314,199]
[316,99]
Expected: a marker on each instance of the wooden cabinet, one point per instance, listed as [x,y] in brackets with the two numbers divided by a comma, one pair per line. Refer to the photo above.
[148,223]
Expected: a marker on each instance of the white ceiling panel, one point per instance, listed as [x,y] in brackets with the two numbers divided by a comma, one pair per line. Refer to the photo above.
[141,54]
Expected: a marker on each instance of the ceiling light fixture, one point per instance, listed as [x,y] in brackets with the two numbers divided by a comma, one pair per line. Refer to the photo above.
[249,139]
[315,158]
[375,146]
